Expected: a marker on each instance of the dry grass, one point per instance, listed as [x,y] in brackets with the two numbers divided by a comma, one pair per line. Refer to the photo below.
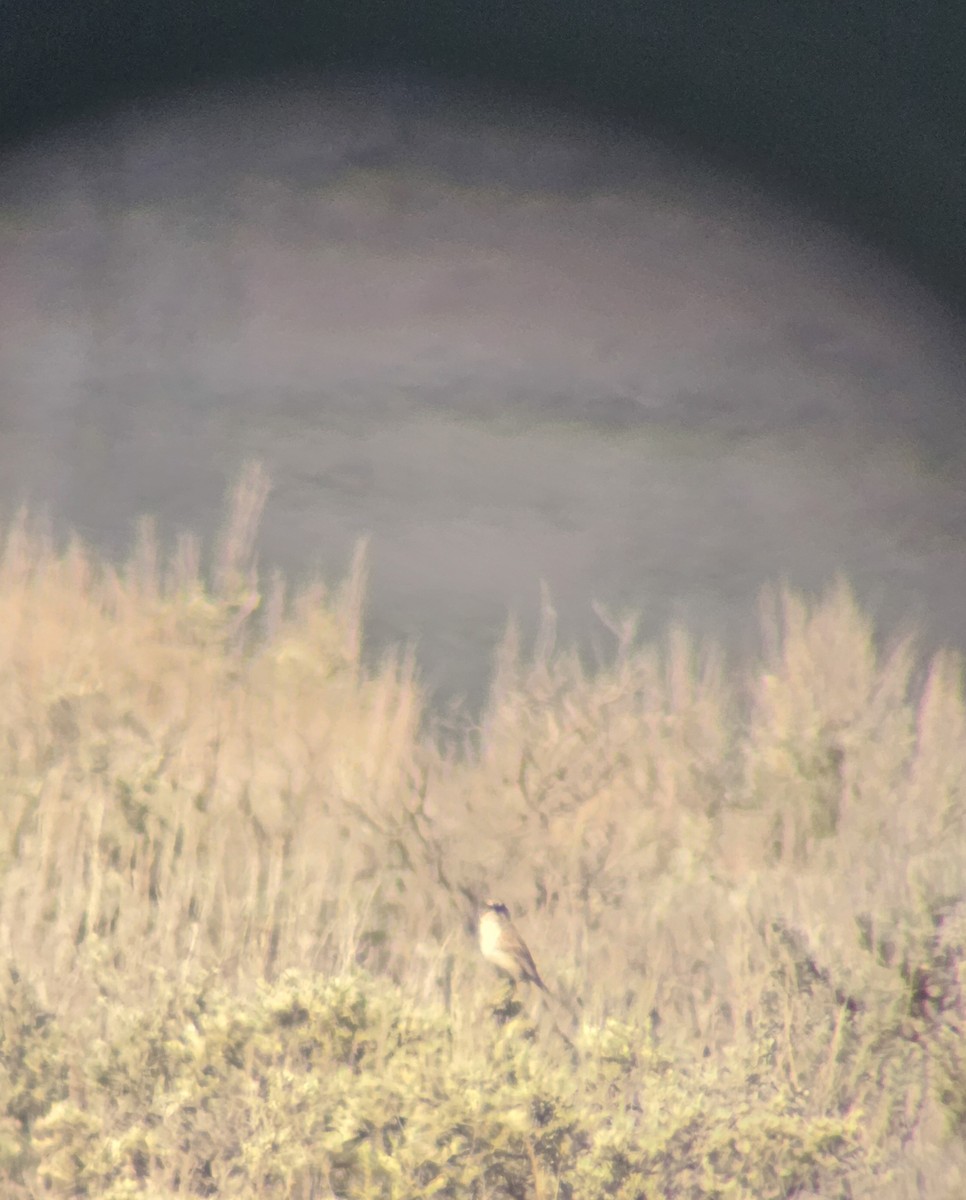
[202,782]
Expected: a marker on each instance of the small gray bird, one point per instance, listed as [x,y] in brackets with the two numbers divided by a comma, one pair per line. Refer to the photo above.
[501,945]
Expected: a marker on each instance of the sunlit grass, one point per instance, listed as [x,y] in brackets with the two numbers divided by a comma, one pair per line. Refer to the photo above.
[745,890]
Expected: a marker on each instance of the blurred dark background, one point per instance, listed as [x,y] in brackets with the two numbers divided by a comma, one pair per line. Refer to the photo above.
[857,110]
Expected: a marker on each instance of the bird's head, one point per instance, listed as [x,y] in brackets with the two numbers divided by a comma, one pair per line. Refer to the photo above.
[495,906]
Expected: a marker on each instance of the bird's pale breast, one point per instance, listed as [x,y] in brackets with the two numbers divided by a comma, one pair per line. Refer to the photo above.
[491,934]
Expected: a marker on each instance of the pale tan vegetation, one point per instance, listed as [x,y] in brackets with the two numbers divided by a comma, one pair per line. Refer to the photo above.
[238,879]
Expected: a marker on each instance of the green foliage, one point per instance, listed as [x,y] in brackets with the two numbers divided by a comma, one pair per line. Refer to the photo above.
[313,1086]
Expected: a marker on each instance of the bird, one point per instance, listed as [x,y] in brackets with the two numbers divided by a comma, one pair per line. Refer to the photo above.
[501,945]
